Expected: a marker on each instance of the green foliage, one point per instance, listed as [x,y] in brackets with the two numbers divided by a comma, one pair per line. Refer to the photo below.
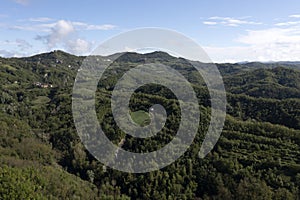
[43,183]
[41,156]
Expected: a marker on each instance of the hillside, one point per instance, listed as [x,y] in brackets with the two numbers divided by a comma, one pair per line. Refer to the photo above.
[41,156]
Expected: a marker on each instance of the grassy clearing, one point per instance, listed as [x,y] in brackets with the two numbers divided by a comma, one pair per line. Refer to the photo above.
[141,117]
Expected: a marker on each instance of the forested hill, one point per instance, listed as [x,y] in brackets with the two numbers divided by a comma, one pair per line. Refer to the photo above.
[41,156]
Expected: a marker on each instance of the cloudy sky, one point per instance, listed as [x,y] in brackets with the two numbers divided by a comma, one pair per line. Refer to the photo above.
[228,30]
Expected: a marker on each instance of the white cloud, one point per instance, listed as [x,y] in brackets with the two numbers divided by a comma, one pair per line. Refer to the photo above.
[294,16]
[229,21]
[274,44]
[278,43]
[278,36]
[78,46]
[59,32]
[15,48]
[290,23]
[40,19]
[22,2]
[210,23]
[85,26]
[23,28]
[64,34]
[23,44]
[5,53]
[41,25]
[20,44]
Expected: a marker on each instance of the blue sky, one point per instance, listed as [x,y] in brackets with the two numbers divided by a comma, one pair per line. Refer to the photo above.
[228,30]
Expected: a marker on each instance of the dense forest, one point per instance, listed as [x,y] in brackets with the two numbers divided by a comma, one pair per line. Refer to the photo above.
[42,157]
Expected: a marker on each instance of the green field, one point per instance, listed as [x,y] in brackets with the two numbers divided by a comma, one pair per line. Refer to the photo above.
[140,117]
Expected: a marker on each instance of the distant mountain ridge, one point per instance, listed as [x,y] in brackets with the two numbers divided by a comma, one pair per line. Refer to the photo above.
[59,54]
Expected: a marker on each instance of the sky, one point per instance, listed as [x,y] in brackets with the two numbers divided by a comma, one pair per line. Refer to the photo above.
[228,30]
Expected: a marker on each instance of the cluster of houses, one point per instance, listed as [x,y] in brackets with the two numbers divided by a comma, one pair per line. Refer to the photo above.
[43,85]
